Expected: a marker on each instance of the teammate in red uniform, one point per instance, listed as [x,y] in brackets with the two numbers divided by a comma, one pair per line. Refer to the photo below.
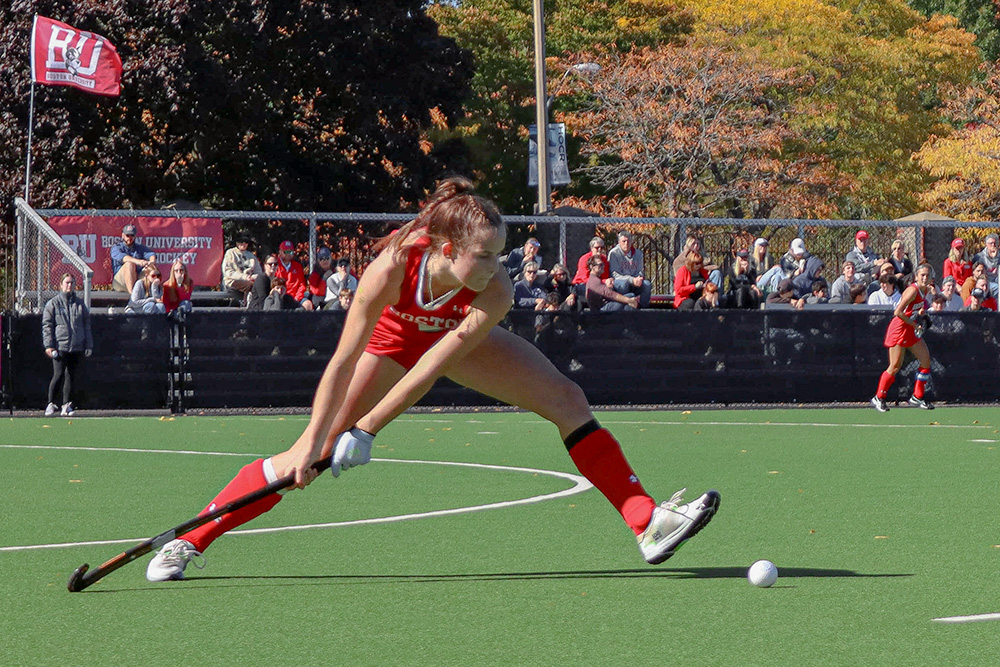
[906,333]
[428,307]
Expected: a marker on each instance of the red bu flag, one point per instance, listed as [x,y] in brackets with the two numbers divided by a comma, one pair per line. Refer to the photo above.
[61,55]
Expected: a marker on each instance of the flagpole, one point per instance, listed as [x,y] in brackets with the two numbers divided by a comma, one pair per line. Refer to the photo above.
[31,124]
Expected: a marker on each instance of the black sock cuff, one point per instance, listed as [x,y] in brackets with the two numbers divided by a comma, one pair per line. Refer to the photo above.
[579,434]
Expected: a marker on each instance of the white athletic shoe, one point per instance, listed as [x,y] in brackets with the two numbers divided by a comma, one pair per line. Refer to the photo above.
[673,523]
[67,410]
[169,563]
[51,409]
[880,404]
[921,403]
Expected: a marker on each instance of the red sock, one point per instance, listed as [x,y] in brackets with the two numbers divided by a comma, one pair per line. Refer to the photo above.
[248,480]
[598,456]
[884,383]
[923,375]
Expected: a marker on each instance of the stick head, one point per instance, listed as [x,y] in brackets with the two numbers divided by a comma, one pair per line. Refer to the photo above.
[76,579]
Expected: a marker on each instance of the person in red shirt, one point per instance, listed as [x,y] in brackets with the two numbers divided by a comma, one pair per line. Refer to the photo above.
[177,289]
[957,265]
[598,247]
[689,281]
[428,306]
[294,275]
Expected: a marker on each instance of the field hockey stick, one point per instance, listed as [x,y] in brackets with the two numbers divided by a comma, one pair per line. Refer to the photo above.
[84,577]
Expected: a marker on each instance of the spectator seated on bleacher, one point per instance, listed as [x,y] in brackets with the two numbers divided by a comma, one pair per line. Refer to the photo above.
[177,289]
[320,273]
[344,300]
[987,302]
[295,277]
[147,292]
[529,292]
[128,259]
[741,284]
[262,284]
[957,266]
[760,259]
[597,248]
[978,272]
[279,298]
[841,290]
[240,268]
[601,297]
[901,264]
[340,279]
[793,262]
[859,294]
[811,273]
[627,270]
[693,245]
[952,299]
[519,257]
[887,296]
[689,281]
[818,295]
[867,263]
[885,270]
[558,282]
[989,256]
[709,297]
[785,295]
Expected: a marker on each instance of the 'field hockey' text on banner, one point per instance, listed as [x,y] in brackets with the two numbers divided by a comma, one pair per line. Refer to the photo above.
[61,55]
[195,241]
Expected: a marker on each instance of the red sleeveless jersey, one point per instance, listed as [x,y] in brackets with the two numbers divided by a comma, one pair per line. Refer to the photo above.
[901,333]
[410,327]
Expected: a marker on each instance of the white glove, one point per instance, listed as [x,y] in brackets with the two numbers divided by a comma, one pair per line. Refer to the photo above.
[352,448]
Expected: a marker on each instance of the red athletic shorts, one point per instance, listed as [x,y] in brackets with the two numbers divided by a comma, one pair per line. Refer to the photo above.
[900,333]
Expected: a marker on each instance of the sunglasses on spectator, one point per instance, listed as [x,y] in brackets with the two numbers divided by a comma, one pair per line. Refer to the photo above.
[530,271]
[270,263]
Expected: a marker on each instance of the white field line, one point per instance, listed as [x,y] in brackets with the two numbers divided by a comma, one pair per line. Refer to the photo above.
[580,484]
[417,420]
[967,619]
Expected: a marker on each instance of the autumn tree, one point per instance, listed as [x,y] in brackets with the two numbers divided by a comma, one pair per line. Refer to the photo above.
[698,132]
[256,104]
[980,17]
[876,70]
[500,36]
[966,161]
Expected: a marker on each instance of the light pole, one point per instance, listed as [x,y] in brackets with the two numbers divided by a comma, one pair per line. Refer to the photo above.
[541,113]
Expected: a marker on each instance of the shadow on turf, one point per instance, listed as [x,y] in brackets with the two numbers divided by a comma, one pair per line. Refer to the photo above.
[669,573]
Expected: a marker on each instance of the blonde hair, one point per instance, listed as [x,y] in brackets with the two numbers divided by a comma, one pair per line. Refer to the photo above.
[452,213]
[172,281]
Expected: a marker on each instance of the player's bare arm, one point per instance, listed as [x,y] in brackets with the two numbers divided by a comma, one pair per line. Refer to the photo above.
[378,287]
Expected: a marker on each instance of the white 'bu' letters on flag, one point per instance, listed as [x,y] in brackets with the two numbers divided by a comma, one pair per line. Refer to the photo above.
[61,55]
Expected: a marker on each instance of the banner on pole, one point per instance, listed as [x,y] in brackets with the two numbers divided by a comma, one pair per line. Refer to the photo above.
[195,241]
[558,160]
[61,55]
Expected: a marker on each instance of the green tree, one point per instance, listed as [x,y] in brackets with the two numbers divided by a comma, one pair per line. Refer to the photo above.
[876,70]
[977,16]
[499,34]
[257,104]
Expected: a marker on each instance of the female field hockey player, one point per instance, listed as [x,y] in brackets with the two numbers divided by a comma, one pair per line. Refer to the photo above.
[428,306]
[906,333]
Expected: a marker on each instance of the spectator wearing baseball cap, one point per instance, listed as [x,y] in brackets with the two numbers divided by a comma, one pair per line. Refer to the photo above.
[128,259]
[867,264]
[989,256]
[340,279]
[957,266]
[320,271]
[295,277]
[793,262]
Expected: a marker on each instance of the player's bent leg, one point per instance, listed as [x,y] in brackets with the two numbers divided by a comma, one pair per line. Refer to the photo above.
[512,370]
[923,376]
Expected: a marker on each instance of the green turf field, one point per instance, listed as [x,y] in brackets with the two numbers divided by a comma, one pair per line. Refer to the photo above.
[878,524]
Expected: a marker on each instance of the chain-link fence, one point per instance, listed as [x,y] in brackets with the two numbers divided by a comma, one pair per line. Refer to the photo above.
[41,261]
[563,238]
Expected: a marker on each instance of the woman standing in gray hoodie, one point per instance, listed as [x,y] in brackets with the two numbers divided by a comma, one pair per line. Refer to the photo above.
[66,337]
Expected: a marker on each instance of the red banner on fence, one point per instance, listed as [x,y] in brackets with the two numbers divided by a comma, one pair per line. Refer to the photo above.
[196,241]
[61,55]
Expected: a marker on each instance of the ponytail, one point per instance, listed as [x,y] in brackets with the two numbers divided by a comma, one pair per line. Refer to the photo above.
[452,213]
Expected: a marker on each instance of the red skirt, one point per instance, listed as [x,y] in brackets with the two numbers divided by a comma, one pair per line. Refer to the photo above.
[900,333]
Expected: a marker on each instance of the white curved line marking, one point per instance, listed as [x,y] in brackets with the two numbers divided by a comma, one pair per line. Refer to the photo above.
[968,619]
[580,484]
